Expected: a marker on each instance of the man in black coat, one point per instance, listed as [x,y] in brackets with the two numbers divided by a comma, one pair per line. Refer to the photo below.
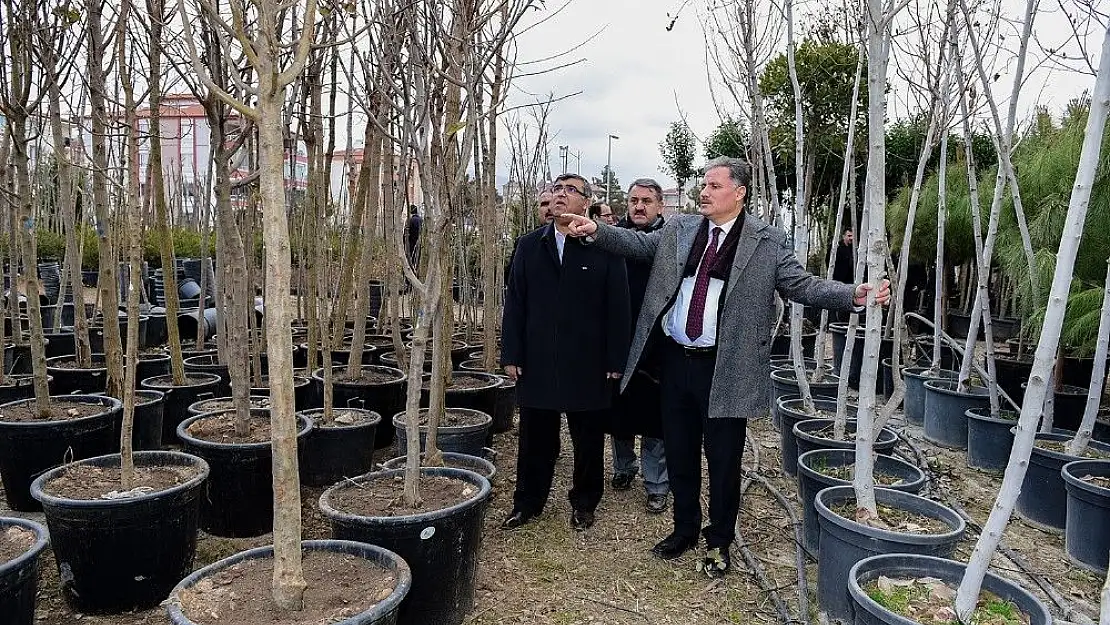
[637,410]
[565,338]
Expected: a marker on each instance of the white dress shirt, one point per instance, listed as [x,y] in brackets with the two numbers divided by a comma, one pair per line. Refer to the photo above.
[674,323]
[560,243]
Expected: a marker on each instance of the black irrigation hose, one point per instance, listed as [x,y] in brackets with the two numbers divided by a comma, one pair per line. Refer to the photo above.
[799,554]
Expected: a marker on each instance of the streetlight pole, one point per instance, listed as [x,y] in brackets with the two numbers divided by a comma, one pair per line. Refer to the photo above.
[609,168]
[563,151]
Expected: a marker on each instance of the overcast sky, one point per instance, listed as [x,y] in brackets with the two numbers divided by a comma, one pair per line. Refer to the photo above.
[636,78]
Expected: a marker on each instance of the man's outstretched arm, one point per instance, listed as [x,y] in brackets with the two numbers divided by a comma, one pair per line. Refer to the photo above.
[621,241]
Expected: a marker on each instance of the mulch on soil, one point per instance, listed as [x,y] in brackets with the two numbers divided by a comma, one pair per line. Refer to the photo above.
[97,364]
[85,482]
[845,473]
[221,429]
[929,601]
[454,417]
[215,405]
[166,381]
[342,417]
[339,586]
[368,376]
[384,497]
[1062,448]
[60,410]
[461,382]
[895,520]
[14,542]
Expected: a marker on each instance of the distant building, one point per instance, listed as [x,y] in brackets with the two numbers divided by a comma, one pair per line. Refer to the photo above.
[675,202]
[344,179]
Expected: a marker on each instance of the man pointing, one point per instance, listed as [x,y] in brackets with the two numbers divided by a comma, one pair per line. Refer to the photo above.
[708,308]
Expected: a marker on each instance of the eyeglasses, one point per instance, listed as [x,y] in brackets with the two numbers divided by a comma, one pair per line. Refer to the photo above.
[568,189]
[606,215]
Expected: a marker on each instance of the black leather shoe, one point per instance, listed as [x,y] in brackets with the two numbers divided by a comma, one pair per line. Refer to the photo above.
[716,562]
[622,481]
[581,520]
[656,504]
[516,519]
[674,546]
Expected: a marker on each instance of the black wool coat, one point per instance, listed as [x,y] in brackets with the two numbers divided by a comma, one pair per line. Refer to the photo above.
[566,325]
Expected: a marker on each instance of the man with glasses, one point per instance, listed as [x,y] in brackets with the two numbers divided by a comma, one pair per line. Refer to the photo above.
[600,211]
[708,308]
[636,411]
[565,336]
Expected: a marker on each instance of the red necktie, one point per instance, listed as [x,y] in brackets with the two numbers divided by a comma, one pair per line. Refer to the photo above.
[701,290]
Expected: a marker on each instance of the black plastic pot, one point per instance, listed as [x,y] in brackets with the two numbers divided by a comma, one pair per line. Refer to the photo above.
[465,439]
[178,398]
[146,434]
[477,464]
[781,344]
[839,333]
[1043,500]
[334,451]
[807,437]
[19,387]
[383,612]
[504,407]
[389,359]
[1069,402]
[989,439]
[914,402]
[786,362]
[72,380]
[156,331]
[482,399]
[1012,373]
[19,578]
[812,481]
[124,554]
[62,343]
[239,497]
[384,398]
[440,546]
[844,542]
[210,363]
[1086,538]
[304,395]
[152,366]
[946,411]
[30,448]
[783,382]
[868,612]
[791,411]
[221,404]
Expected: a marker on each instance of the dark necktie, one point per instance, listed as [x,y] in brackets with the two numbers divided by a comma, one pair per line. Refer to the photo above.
[701,289]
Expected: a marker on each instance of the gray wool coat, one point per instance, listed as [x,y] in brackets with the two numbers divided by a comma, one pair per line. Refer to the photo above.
[764,263]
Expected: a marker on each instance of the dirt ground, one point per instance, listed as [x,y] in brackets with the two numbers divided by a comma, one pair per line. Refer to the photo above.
[547,574]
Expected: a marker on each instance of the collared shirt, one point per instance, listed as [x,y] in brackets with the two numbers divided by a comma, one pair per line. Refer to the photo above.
[560,243]
[674,323]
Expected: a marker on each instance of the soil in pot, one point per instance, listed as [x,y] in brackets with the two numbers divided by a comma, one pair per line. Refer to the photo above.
[791,411]
[479,465]
[18,387]
[117,550]
[340,586]
[21,544]
[818,434]
[178,398]
[70,378]
[1043,498]
[378,498]
[77,427]
[220,404]
[461,430]
[220,428]
[376,388]
[440,546]
[895,520]
[342,447]
[928,601]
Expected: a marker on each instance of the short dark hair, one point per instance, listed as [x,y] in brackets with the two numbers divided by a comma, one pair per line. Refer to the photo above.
[585,183]
[738,171]
[648,183]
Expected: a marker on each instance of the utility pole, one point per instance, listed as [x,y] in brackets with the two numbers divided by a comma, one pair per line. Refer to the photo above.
[578,162]
[609,167]
[563,150]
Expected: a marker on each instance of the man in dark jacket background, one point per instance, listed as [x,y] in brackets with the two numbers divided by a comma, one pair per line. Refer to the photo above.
[637,410]
[565,338]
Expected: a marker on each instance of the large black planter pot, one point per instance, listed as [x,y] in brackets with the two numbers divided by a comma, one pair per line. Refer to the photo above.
[239,496]
[812,481]
[73,380]
[914,402]
[989,439]
[146,433]
[791,410]
[334,451]
[18,387]
[1043,500]
[19,578]
[28,449]
[786,362]
[384,398]
[151,365]
[1069,402]
[62,343]
[504,407]
[382,613]
[783,383]
[780,345]
[17,359]
[482,398]
[156,331]
[839,333]
[463,439]
[124,554]
[908,566]
[946,411]
[389,359]
[1087,531]
[477,464]
[844,542]
[441,547]
[1012,374]
[221,404]
[210,363]
[175,406]
[808,438]
[304,394]
[96,333]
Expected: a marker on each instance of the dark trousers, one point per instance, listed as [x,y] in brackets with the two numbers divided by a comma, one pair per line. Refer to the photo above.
[539,449]
[686,381]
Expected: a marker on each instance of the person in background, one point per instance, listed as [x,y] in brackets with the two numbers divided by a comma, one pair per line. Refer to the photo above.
[412,235]
[602,212]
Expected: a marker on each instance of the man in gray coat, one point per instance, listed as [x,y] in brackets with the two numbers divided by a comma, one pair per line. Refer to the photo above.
[709,309]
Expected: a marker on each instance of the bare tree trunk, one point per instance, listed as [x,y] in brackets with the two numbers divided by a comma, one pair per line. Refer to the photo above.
[133,227]
[940,303]
[968,593]
[1078,445]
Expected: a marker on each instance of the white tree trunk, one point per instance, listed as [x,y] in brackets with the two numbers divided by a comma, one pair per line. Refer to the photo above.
[1104,619]
[1078,445]
[1037,389]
